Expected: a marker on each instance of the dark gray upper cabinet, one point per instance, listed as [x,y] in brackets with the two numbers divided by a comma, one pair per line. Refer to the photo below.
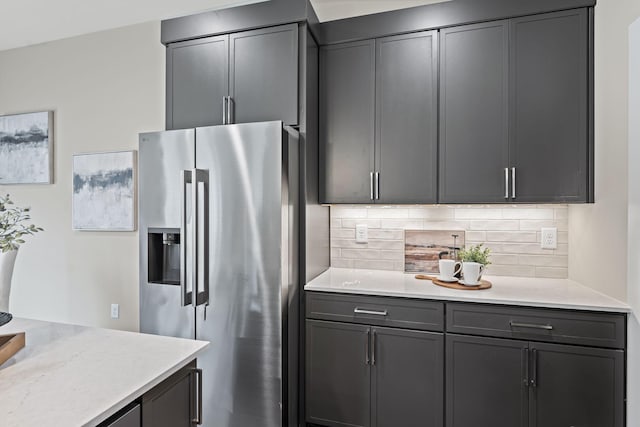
[258,69]
[486,382]
[378,120]
[406,378]
[474,144]
[263,75]
[576,386]
[549,71]
[514,110]
[338,374]
[347,116]
[197,81]
[407,118]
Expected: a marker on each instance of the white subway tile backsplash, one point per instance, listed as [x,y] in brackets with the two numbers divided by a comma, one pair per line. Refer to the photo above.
[511,232]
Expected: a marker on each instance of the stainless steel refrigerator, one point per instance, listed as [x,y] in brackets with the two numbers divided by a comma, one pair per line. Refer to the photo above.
[219,214]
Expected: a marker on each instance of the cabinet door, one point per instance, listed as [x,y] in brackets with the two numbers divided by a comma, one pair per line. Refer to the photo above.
[171,404]
[347,117]
[263,75]
[486,382]
[407,378]
[338,374]
[549,70]
[474,142]
[407,118]
[197,81]
[576,386]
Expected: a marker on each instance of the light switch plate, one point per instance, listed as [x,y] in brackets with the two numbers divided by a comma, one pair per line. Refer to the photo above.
[115,311]
[362,233]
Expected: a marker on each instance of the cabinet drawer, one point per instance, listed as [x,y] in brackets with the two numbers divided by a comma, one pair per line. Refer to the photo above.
[561,326]
[378,311]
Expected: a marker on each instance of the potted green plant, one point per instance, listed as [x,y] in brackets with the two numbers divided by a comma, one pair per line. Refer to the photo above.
[475,259]
[13,229]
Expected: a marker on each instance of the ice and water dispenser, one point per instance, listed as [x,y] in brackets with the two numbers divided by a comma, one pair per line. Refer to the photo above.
[164,256]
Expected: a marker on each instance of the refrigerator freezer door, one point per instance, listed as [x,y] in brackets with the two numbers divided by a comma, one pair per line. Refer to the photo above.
[162,158]
[243,321]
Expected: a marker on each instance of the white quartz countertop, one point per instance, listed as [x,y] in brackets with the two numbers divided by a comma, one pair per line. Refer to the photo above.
[79,376]
[551,293]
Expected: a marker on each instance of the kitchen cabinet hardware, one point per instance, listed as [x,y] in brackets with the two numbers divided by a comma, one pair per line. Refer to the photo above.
[513,183]
[224,110]
[230,111]
[530,325]
[367,350]
[525,359]
[534,367]
[198,375]
[377,185]
[371,312]
[371,180]
[373,348]
[506,183]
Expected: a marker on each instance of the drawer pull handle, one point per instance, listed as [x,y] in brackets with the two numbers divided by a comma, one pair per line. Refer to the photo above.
[374,313]
[531,326]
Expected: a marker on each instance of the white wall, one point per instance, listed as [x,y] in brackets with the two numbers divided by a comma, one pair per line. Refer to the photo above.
[598,232]
[105,88]
[329,10]
[633,290]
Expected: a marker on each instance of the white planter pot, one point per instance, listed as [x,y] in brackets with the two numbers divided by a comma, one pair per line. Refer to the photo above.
[7,262]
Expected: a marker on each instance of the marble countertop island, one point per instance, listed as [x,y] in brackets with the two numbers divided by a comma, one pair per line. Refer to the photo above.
[549,293]
[79,376]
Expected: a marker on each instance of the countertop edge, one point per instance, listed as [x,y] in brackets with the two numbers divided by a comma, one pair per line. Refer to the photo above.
[142,390]
[604,309]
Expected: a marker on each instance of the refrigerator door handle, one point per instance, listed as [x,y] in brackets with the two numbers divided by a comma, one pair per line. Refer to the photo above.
[186,178]
[201,234]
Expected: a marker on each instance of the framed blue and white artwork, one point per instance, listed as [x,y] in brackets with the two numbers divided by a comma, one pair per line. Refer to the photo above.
[26,148]
[104,191]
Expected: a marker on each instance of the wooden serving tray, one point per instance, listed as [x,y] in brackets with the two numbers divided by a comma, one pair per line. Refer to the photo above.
[484,284]
[10,345]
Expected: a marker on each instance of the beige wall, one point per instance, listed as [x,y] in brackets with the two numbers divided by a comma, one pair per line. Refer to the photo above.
[598,233]
[105,88]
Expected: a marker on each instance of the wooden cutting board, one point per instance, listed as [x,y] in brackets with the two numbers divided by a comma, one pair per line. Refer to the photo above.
[484,284]
[10,345]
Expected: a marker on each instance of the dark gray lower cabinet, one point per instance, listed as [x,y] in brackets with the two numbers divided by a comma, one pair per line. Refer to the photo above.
[358,375]
[576,386]
[486,382]
[506,383]
[129,417]
[337,374]
[406,378]
[172,403]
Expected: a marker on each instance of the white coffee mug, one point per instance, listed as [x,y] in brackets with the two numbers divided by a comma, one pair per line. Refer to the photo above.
[448,269]
[472,272]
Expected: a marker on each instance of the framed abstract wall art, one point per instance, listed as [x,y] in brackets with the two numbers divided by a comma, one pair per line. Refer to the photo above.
[104,191]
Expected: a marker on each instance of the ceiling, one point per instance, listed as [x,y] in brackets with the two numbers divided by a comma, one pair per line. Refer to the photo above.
[28,22]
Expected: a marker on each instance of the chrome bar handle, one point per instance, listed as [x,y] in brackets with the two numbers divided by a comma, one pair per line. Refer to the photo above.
[198,375]
[366,347]
[375,313]
[230,111]
[371,185]
[534,365]
[224,110]
[525,356]
[202,177]
[373,348]
[513,182]
[377,186]
[185,179]
[530,326]
[506,183]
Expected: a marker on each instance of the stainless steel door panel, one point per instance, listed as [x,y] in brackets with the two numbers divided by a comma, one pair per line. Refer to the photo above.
[162,156]
[243,321]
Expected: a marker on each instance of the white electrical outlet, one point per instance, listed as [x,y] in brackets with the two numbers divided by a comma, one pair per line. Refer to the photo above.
[549,238]
[362,233]
[115,311]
